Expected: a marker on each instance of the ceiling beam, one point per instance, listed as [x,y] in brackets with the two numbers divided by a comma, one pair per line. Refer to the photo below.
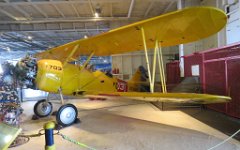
[25,41]
[91,7]
[29,2]
[65,27]
[35,6]
[40,11]
[57,2]
[111,10]
[26,15]
[20,10]
[130,9]
[58,10]
[3,46]
[8,14]
[149,8]
[75,10]
[75,19]
[19,44]
[37,40]
[169,6]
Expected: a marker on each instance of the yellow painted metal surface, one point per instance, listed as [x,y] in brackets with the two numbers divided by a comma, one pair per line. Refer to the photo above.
[174,28]
[7,135]
[169,97]
[74,80]
[49,75]
[79,80]
[53,147]
[49,125]
[71,78]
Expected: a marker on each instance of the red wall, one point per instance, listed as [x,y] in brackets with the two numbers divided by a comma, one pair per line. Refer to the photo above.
[219,74]
[173,72]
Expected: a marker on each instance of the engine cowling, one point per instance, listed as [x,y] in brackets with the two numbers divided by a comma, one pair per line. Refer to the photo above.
[49,75]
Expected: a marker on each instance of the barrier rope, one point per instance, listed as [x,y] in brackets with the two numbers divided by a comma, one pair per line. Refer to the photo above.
[224,140]
[76,142]
[41,132]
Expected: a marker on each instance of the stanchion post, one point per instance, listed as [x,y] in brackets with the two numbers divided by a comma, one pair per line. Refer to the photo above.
[49,139]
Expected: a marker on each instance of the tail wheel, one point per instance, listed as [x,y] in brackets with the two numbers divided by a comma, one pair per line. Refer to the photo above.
[43,108]
[66,115]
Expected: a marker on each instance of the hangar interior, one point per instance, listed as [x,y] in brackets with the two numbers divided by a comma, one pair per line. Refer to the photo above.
[208,65]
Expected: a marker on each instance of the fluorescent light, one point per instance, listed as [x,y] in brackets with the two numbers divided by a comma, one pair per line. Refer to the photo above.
[1,70]
[96,15]
[8,49]
[29,37]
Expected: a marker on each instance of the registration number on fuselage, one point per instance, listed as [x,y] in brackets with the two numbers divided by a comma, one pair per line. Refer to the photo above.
[54,67]
[121,86]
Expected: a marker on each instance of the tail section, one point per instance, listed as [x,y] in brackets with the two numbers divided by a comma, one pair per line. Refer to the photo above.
[139,81]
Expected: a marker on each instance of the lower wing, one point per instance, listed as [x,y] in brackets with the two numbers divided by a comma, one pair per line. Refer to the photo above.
[166,97]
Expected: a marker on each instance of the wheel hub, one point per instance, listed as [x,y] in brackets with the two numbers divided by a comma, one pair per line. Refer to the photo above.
[68,115]
[42,108]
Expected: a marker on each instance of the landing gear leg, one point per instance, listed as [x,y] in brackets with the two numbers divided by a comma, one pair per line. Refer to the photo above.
[61,96]
[66,114]
[62,101]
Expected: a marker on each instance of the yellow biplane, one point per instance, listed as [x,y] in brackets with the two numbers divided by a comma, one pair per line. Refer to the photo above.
[55,74]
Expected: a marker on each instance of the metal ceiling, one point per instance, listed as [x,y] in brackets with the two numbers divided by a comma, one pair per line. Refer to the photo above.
[30,26]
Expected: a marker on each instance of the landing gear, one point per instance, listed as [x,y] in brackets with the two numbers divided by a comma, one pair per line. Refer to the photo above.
[66,115]
[43,108]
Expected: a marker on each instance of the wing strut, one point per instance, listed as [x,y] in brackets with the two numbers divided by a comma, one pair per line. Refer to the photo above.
[147,61]
[71,54]
[161,68]
[157,55]
[89,58]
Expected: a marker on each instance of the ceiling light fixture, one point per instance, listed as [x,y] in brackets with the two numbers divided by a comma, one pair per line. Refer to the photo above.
[98,11]
[29,37]
[1,70]
[96,15]
[8,49]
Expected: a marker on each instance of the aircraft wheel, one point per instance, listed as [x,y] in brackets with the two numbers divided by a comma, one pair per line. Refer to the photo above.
[66,115]
[43,108]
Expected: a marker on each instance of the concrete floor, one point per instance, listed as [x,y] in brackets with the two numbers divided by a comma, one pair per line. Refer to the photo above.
[130,125]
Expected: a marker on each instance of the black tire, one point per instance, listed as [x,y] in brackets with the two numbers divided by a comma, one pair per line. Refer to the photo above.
[66,115]
[43,108]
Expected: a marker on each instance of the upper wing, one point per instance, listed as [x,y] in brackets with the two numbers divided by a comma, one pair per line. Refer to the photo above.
[174,28]
[169,97]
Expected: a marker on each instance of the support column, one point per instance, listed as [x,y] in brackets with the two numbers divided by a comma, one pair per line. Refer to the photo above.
[181,64]
[222,35]
[181,49]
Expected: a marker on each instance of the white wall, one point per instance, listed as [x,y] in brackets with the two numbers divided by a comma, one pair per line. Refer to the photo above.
[228,35]
[233,27]
[129,63]
[207,43]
